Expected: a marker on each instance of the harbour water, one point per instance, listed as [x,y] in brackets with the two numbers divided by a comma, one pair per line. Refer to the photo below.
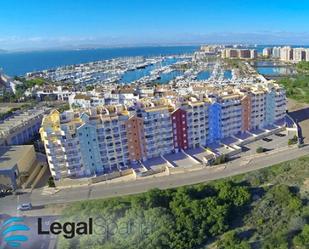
[273,69]
[19,63]
[203,75]
[228,74]
[166,77]
[136,74]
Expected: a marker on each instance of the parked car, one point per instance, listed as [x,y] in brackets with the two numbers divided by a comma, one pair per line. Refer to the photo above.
[25,206]
[267,139]
[280,135]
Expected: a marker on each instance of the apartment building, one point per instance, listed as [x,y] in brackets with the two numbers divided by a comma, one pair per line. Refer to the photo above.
[267,52]
[239,53]
[253,54]
[157,129]
[270,115]
[286,54]
[258,102]
[85,144]
[136,139]
[21,127]
[246,106]
[197,122]
[276,52]
[244,53]
[90,142]
[280,106]
[52,92]
[180,129]
[307,54]
[230,53]
[231,114]
[299,54]
[289,54]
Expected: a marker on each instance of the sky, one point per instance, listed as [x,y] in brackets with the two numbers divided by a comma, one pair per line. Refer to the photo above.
[41,24]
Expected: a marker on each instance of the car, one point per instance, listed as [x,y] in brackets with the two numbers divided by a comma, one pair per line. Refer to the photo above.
[267,139]
[280,135]
[24,206]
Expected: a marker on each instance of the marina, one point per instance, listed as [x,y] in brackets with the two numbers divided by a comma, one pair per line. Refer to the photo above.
[177,70]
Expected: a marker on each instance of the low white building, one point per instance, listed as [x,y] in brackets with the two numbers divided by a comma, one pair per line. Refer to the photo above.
[79,100]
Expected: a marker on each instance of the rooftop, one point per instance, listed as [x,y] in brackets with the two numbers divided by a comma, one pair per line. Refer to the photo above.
[10,155]
[18,119]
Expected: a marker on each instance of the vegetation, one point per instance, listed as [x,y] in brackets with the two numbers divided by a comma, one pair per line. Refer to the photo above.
[263,209]
[9,96]
[230,240]
[233,63]
[51,182]
[302,239]
[10,111]
[89,87]
[260,150]
[63,107]
[303,67]
[293,140]
[297,86]
[180,218]
[27,84]
[220,159]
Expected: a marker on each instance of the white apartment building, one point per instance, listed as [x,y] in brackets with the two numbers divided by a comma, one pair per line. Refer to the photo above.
[299,54]
[231,114]
[286,54]
[258,102]
[307,54]
[276,52]
[280,107]
[267,52]
[112,141]
[158,130]
[197,121]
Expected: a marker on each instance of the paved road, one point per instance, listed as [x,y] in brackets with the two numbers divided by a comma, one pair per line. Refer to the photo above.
[300,113]
[104,190]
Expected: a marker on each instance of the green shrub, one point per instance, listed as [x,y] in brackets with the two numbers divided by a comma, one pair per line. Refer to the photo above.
[221,159]
[302,239]
[260,150]
[293,140]
[51,182]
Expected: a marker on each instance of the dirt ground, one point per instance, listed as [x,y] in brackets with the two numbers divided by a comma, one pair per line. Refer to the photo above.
[300,113]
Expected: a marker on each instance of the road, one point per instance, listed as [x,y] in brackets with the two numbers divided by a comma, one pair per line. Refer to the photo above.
[105,190]
[300,113]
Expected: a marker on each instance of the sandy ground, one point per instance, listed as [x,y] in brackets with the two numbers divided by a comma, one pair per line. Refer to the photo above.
[300,113]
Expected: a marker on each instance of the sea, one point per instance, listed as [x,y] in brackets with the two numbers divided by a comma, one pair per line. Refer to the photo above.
[19,63]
